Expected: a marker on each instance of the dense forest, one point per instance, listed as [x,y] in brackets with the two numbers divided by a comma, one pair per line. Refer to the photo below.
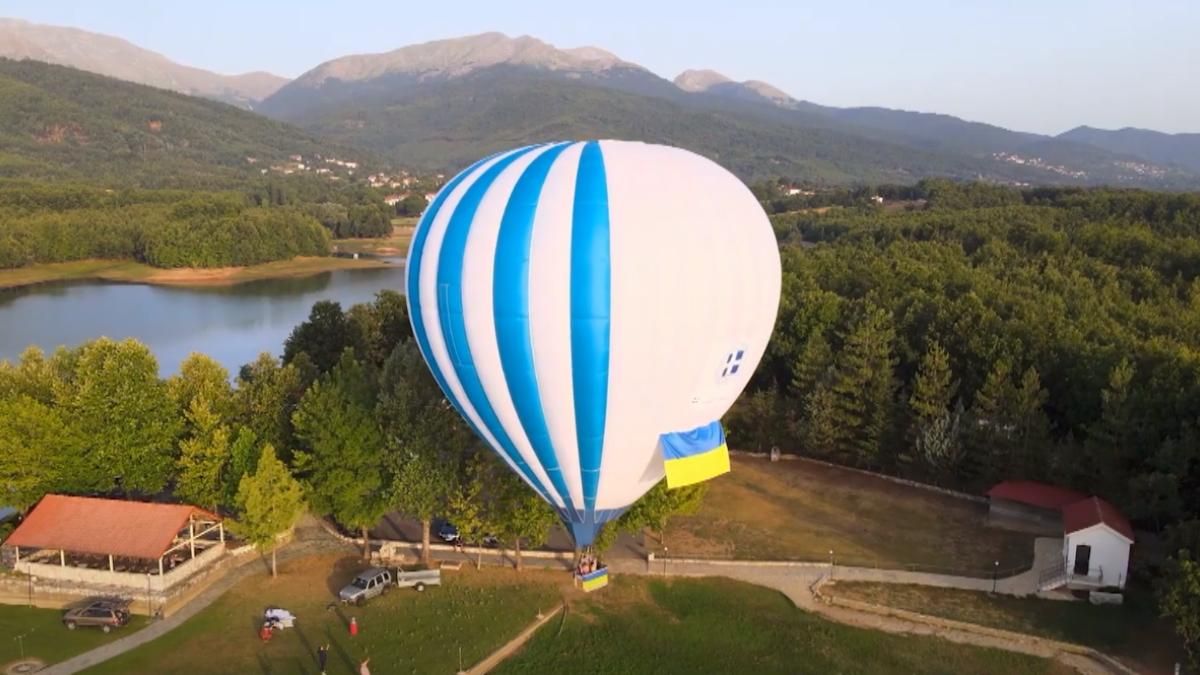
[266,220]
[992,334]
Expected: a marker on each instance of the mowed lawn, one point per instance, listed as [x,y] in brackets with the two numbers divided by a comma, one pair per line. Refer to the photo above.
[45,637]
[402,632]
[1132,631]
[688,626]
[797,510]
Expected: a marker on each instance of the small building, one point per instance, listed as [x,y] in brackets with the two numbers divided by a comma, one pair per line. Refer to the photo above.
[116,543]
[1029,505]
[1096,542]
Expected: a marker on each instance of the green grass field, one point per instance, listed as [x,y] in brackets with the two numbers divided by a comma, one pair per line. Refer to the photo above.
[394,245]
[402,632]
[692,626]
[46,638]
[1132,631]
[794,510]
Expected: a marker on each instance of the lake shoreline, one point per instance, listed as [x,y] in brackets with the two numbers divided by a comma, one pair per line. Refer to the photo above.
[128,271]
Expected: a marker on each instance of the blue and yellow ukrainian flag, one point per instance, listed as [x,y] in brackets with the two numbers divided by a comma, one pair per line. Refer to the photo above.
[594,580]
[695,456]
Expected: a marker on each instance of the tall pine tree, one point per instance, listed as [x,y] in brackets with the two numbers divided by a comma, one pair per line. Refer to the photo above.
[864,388]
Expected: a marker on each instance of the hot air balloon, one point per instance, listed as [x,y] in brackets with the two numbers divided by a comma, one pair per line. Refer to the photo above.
[592,309]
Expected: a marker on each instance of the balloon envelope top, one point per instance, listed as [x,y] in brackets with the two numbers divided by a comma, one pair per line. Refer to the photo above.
[592,309]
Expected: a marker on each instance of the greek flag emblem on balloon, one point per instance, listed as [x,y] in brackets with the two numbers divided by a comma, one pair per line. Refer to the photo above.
[571,299]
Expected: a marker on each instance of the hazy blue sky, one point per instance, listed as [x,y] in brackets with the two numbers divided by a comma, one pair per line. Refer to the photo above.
[1035,65]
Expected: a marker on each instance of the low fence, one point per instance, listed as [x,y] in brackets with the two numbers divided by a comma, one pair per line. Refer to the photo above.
[51,573]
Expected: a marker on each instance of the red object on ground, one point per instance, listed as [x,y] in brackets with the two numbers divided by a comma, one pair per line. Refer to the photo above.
[1092,511]
[265,633]
[1034,493]
[353,626]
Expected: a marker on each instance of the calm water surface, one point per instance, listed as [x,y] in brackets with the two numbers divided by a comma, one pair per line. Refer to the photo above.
[232,324]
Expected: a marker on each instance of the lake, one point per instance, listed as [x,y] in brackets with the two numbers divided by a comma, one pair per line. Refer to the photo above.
[232,324]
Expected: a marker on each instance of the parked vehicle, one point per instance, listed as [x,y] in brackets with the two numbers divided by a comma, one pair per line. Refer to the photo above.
[419,579]
[448,533]
[368,584]
[104,614]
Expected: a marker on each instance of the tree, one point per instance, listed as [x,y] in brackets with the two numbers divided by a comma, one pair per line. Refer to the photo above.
[420,488]
[243,461]
[522,514]
[269,502]
[467,509]
[412,205]
[660,504]
[266,396]
[1179,600]
[758,418]
[864,388]
[343,464]
[820,431]
[32,437]
[933,387]
[993,427]
[203,456]
[1031,425]
[424,437]
[123,413]
[811,366]
[202,377]
[1109,446]
[324,336]
[935,428]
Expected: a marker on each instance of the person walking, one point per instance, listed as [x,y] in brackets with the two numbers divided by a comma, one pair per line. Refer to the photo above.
[323,656]
[362,667]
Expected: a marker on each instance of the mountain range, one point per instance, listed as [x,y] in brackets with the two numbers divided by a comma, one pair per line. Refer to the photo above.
[114,57]
[441,104]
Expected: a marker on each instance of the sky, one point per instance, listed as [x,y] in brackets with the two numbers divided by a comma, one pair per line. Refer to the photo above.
[1032,65]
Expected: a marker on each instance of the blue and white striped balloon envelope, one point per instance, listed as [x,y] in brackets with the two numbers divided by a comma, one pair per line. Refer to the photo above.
[592,309]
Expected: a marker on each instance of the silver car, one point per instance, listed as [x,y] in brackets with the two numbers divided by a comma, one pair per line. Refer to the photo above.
[368,584]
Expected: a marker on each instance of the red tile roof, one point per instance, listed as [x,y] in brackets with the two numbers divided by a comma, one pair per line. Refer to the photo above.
[1036,494]
[1092,511]
[104,526]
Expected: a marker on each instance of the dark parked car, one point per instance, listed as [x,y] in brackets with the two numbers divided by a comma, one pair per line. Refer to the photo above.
[104,614]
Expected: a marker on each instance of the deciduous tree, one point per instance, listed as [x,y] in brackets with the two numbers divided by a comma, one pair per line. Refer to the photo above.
[269,502]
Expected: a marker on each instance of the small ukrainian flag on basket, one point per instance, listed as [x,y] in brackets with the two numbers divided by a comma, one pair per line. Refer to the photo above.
[593,581]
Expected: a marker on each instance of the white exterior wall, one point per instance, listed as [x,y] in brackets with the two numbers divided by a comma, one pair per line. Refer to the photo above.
[1110,554]
[141,582]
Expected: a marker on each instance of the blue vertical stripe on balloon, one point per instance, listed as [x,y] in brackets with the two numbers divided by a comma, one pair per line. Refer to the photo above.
[510,305]
[450,314]
[413,289]
[591,277]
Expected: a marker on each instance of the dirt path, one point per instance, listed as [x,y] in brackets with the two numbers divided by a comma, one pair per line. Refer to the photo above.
[497,657]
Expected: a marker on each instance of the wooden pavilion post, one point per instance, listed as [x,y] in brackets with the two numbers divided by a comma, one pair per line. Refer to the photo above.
[221,530]
[160,570]
[192,535]
[110,563]
[62,558]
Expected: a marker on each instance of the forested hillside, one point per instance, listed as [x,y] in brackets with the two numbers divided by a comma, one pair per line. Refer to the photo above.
[163,228]
[57,122]
[995,334]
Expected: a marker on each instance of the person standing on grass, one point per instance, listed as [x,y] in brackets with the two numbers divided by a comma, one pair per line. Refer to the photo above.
[323,656]
[362,667]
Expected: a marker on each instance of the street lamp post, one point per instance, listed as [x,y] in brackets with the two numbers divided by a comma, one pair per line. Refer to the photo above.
[830,563]
[995,571]
[665,561]
[149,605]
[32,580]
